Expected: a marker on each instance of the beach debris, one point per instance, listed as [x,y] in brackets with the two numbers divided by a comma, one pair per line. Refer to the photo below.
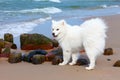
[108,59]
[28,57]
[55,52]
[108,51]
[38,59]
[15,57]
[117,63]
[82,62]
[35,41]
[8,37]
[56,60]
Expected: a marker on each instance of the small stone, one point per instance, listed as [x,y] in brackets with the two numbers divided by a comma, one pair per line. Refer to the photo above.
[108,51]
[14,46]
[108,59]
[57,60]
[117,64]
[7,50]
[38,59]
[25,58]
[8,37]
[2,43]
[82,62]
[15,57]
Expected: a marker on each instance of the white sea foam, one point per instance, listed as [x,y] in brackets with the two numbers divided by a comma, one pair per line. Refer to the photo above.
[57,1]
[20,27]
[49,10]
[112,6]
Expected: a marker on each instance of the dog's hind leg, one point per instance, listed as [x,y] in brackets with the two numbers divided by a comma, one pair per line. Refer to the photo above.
[91,53]
[75,57]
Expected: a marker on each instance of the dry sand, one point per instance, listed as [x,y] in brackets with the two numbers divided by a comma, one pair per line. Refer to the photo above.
[104,69]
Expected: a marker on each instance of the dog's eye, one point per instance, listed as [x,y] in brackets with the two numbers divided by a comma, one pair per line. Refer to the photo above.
[52,29]
[57,29]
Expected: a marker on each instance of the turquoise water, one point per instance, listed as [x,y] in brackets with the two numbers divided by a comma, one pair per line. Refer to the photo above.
[34,16]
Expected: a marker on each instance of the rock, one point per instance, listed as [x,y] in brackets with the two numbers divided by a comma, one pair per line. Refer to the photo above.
[53,53]
[15,58]
[108,51]
[55,43]
[2,43]
[38,59]
[8,37]
[35,41]
[25,57]
[117,64]
[57,60]
[7,50]
[28,57]
[0,50]
[14,46]
[82,62]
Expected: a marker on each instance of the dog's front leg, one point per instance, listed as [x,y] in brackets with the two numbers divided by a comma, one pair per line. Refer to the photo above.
[66,57]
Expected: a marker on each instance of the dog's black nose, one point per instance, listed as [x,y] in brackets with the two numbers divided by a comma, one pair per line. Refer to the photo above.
[53,34]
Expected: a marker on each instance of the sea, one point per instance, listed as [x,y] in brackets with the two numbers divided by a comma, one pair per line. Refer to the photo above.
[34,16]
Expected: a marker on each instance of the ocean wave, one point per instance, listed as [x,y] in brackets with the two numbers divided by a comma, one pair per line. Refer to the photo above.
[56,1]
[20,27]
[111,6]
[48,10]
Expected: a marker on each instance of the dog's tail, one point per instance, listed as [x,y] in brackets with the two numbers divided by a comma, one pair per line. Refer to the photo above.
[95,34]
[95,26]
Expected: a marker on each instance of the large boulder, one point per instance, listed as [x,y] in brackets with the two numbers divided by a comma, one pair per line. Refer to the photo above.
[35,41]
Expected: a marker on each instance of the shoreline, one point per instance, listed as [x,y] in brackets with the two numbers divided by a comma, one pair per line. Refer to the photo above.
[104,69]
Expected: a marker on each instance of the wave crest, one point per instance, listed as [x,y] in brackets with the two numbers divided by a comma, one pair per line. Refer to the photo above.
[48,10]
[56,1]
[21,27]
[111,6]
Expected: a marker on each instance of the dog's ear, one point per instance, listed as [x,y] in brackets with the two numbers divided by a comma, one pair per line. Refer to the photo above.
[63,22]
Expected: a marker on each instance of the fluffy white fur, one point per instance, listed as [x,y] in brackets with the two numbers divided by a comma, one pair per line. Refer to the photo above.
[89,36]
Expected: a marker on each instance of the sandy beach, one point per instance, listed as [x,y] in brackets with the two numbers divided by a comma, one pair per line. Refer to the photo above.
[104,69]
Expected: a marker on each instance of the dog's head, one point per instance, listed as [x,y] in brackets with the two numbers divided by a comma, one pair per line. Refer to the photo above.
[58,28]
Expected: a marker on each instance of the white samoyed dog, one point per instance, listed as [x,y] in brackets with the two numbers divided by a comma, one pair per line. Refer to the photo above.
[89,36]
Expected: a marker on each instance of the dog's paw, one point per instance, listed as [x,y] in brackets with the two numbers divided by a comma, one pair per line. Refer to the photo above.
[61,64]
[89,68]
[72,63]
